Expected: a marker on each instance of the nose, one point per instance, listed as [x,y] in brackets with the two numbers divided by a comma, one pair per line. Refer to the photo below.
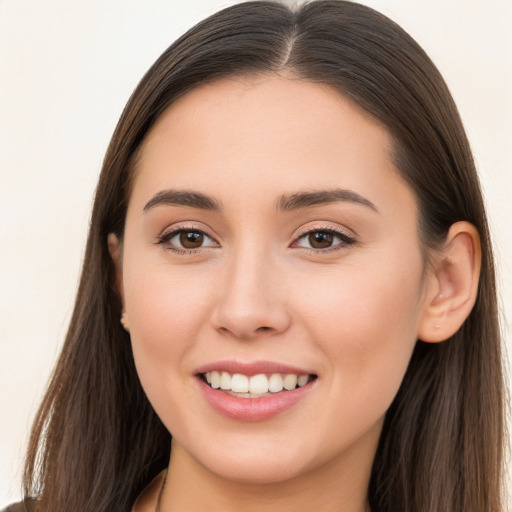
[252,299]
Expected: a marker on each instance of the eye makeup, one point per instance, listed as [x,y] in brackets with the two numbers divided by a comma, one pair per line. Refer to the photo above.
[188,239]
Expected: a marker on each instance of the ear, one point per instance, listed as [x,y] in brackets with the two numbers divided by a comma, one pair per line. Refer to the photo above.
[115,250]
[453,284]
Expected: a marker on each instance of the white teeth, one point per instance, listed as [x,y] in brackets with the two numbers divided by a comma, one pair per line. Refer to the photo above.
[302,380]
[225,380]
[215,380]
[257,384]
[290,382]
[239,383]
[275,383]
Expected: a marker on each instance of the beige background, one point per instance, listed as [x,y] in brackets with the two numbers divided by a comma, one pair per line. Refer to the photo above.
[66,70]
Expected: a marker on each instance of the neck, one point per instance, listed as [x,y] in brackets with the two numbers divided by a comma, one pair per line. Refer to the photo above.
[339,486]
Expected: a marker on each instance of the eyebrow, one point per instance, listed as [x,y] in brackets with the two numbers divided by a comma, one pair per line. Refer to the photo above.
[307,199]
[182,198]
[285,203]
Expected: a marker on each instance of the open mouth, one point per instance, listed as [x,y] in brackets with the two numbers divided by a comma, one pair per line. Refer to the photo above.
[255,386]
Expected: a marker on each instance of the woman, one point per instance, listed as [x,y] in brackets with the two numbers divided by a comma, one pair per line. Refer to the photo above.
[289,270]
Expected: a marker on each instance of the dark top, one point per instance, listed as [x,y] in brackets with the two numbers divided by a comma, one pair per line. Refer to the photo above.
[21,506]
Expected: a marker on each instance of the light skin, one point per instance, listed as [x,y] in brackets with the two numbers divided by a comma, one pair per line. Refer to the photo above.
[334,283]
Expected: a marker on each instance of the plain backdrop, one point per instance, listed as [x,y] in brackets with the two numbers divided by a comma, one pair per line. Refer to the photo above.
[66,71]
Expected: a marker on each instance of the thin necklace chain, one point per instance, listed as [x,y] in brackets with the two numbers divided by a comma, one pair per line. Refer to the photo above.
[159,498]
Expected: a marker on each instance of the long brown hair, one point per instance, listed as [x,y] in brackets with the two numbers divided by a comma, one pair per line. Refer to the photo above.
[96,441]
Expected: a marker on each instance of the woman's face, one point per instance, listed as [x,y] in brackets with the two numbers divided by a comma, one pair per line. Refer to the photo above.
[270,242]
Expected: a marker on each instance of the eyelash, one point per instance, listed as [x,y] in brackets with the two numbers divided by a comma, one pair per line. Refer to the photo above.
[166,237]
[344,239]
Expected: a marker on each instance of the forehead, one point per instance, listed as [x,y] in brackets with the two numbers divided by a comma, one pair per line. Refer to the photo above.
[264,134]
[268,109]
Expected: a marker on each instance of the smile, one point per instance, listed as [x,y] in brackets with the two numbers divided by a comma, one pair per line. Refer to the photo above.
[254,391]
[255,386]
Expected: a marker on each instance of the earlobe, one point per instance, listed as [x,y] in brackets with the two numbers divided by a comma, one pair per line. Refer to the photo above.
[115,250]
[453,285]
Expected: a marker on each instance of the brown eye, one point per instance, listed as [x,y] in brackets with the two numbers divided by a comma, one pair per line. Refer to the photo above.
[320,239]
[191,239]
[183,240]
[324,240]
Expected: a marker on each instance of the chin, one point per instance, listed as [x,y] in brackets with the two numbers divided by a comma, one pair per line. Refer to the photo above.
[261,463]
[255,471]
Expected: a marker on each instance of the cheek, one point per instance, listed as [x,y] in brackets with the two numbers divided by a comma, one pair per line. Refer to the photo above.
[163,303]
[166,312]
[166,309]
[365,320]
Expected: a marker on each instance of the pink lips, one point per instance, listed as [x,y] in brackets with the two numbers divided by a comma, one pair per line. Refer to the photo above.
[252,409]
[252,368]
